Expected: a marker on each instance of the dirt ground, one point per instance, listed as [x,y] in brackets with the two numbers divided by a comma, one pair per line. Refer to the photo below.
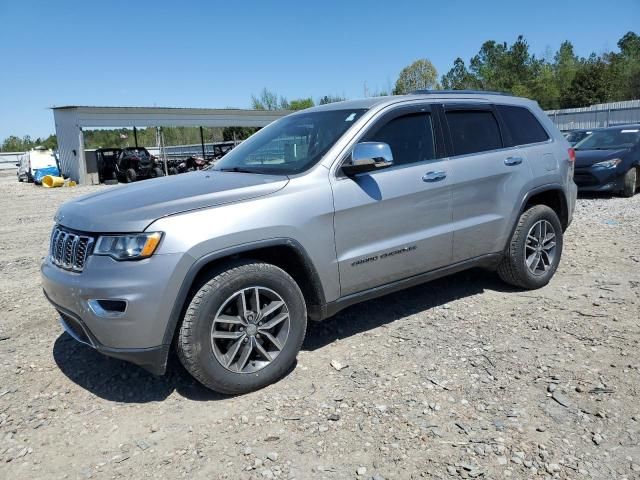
[462,377]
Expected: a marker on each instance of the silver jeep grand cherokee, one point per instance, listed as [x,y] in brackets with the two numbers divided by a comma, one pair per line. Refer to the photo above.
[322,209]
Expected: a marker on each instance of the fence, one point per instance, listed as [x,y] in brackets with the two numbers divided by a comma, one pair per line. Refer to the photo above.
[8,160]
[596,116]
[212,149]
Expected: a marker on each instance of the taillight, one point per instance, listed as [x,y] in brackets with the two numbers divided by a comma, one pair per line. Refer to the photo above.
[572,155]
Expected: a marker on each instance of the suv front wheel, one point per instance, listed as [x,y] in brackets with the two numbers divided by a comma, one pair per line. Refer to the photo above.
[533,254]
[243,328]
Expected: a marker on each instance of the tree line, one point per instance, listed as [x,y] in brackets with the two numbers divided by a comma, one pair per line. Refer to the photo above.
[559,79]
[16,144]
[556,80]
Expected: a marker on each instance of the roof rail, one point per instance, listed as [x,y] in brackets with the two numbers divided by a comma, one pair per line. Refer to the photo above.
[458,92]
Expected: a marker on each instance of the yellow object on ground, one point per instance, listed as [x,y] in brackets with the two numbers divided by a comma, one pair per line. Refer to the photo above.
[49,181]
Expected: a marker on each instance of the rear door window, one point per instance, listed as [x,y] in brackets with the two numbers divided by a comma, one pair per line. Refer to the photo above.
[473,131]
[522,124]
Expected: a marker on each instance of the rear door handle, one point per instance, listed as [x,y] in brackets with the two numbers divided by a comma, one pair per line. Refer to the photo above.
[510,161]
[434,176]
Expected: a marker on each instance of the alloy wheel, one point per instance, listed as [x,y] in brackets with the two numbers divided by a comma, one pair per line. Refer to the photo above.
[250,329]
[540,247]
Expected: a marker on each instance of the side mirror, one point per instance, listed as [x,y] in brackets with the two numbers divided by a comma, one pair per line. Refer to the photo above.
[367,157]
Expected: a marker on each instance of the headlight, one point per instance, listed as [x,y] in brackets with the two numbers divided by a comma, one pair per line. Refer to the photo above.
[614,162]
[134,246]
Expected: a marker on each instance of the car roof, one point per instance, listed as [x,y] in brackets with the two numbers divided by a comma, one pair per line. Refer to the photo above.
[622,127]
[432,95]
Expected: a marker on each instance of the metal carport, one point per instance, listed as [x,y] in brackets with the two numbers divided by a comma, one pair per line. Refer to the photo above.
[71,119]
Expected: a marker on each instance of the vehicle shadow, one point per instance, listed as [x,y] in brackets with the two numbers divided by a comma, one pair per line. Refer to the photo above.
[597,195]
[120,381]
[390,308]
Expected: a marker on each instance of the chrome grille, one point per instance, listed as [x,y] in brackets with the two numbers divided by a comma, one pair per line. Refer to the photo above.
[69,250]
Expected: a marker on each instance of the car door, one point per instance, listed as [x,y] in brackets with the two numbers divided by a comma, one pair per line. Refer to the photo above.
[487,179]
[395,223]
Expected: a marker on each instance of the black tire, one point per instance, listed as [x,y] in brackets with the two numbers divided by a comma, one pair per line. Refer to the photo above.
[194,343]
[158,172]
[173,171]
[130,175]
[630,182]
[513,268]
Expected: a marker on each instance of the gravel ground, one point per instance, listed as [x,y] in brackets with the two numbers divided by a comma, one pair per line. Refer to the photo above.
[462,377]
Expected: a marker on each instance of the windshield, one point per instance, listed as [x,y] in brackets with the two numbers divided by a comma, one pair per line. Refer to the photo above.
[291,145]
[610,139]
[136,152]
[575,137]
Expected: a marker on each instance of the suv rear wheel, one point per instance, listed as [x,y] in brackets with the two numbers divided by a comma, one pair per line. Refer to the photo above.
[534,252]
[243,328]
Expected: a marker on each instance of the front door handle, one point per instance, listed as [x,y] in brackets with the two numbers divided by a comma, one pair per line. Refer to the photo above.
[434,176]
[511,161]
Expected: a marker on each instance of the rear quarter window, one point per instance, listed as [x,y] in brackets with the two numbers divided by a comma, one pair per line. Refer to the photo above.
[523,126]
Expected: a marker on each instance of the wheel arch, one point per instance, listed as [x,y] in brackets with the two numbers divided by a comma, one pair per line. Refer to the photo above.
[285,253]
[553,197]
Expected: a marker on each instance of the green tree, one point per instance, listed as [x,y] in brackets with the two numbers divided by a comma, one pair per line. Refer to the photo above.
[268,100]
[625,69]
[544,88]
[504,68]
[301,103]
[238,133]
[566,65]
[459,77]
[589,85]
[12,144]
[50,143]
[330,99]
[421,74]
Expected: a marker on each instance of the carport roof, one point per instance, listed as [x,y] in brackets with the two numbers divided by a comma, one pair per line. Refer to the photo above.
[100,116]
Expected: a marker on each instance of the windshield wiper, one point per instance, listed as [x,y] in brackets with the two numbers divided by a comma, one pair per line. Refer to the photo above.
[239,170]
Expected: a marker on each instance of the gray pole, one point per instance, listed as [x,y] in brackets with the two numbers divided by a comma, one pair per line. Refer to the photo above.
[202,143]
[163,152]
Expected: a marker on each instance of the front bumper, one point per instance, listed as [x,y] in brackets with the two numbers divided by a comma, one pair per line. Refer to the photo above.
[153,359]
[147,287]
[595,179]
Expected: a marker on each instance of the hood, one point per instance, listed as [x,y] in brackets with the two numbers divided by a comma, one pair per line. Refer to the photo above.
[131,208]
[586,158]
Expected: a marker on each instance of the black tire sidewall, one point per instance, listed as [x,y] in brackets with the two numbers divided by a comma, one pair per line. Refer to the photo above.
[217,376]
[630,182]
[540,213]
[130,175]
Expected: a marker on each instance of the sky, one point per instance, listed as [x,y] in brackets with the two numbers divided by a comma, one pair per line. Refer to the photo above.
[206,53]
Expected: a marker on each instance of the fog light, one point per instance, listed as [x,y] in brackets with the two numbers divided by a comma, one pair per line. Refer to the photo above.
[108,308]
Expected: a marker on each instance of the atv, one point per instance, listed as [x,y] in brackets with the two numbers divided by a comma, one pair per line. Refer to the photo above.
[136,163]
